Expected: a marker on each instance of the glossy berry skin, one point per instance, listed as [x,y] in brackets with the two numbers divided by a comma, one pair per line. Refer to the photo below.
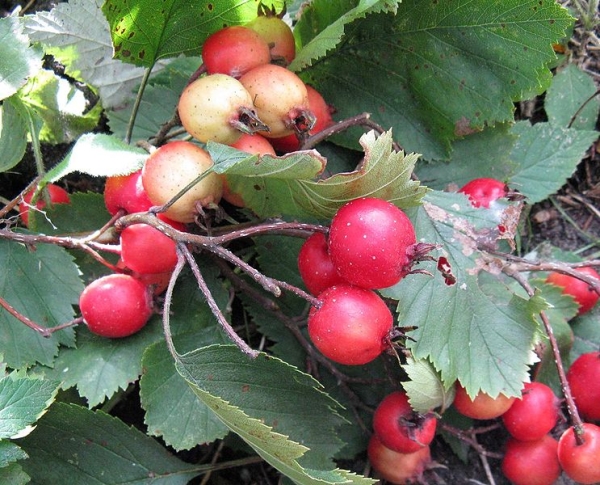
[585,296]
[483,191]
[482,406]
[399,427]
[57,195]
[581,462]
[218,108]
[234,50]
[170,168]
[351,326]
[534,414]
[278,35]
[531,462]
[315,266]
[584,371]
[322,111]
[126,192]
[146,250]
[369,241]
[397,468]
[116,305]
[280,98]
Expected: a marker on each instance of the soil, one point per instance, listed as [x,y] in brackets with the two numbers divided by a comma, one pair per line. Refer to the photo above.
[569,220]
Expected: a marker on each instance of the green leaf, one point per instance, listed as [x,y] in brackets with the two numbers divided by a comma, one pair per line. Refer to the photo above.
[99,155]
[483,154]
[173,411]
[23,400]
[572,95]
[287,185]
[42,285]
[265,401]
[144,31]
[13,134]
[425,389]
[14,475]
[478,333]
[435,72]
[587,335]
[62,107]
[77,34]
[546,156]
[99,367]
[9,453]
[321,26]
[95,448]
[18,61]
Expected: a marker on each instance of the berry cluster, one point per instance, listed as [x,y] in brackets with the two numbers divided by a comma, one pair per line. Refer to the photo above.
[371,245]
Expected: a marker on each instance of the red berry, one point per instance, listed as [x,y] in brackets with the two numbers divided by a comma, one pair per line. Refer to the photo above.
[280,98]
[126,192]
[170,169]
[483,191]
[531,462]
[234,50]
[116,305]
[57,195]
[398,468]
[581,462]
[583,293]
[482,406]
[369,243]
[315,266]
[351,326]
[583,377]
[399,427]
[278,35]
[534,414]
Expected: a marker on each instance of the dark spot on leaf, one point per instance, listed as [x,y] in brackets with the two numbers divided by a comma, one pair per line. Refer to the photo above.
[131,34]
[142,54]
[117,47]
[552,21]
[257,187]
[513,81]
[461,85]
[126,53]
[463,127]
[477,114]
[245,388]
[210,7]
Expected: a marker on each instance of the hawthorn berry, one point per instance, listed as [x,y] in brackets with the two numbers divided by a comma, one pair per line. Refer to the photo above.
[482,406]
[278,35]
[534,414]
[116,305]
[399,427]
[483,191]
[533,462]
[126,192]
[234,50]
[280,98]
[583,377]
[171,168]
[397,468]
[370,243]
[57,195]
[581,462]
[218,108]
[315,266]
[351,326]
[585,296]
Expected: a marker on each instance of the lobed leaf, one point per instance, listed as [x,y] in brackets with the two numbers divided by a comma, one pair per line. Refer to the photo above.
[265,400]
[425,389]
[23,400]
[91,447]
[478,333]
[42,285]
[144,31]
[18,60]
[437,71]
